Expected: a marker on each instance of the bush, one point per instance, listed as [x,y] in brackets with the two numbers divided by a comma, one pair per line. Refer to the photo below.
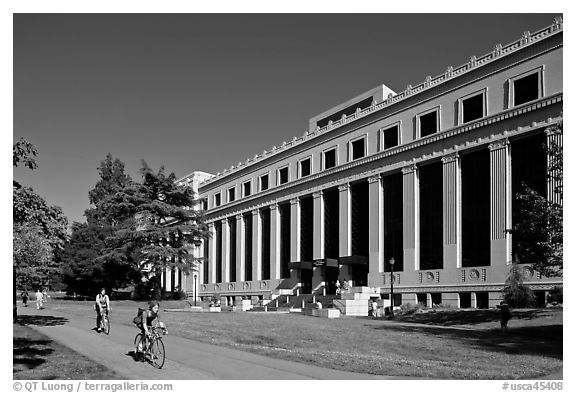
[555,296]
[516,294]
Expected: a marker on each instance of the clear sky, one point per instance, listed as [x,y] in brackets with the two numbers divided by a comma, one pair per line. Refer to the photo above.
[205,91]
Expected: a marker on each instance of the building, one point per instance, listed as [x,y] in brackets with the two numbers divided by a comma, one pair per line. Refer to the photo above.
[425,177]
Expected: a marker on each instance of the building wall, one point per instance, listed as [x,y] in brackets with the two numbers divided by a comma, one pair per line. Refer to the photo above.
[492,75]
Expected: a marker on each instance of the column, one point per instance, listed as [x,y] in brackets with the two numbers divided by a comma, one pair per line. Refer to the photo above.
[554,140]
[376,232]
[295,230]
[256,245]
[318,249]
[212,253]
[240,239]
[274,242]
[411,218]
[225,250]
[500,204]
[452,221]
[345,211]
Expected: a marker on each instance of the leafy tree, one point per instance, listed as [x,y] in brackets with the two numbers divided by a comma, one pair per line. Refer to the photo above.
[539,229]
[112,180]
[33,256]
[83,273]
[156,226]
[23,152]
[516,294]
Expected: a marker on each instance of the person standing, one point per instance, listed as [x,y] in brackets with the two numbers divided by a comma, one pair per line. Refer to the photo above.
[39,300]
[102,307]
[505,315]
[25,297]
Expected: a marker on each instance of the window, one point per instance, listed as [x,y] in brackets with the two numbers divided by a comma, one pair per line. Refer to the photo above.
[247,188]
[204,205]
[472,107]
[231,194]
[264,182]
[283,175]
[526,87]
[358,148]
[305,167]
[391,137]
[428,123]
[217,199]
[329,159]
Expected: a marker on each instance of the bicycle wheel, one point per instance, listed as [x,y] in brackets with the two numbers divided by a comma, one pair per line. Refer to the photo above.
[157,353]
[137,343]
[106,324]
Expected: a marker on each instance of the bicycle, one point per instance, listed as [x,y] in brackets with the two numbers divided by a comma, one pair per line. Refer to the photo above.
[154,352]
[105,323]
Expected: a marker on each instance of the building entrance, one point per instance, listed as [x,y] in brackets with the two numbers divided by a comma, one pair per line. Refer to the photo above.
[306,280]
[330,277]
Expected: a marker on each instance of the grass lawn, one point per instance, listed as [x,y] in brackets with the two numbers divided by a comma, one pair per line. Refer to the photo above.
[37,357]
[445,345]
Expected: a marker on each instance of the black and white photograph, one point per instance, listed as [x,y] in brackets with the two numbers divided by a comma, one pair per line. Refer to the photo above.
[287,196]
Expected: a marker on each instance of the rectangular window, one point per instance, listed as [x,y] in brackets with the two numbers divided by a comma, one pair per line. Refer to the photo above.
[217,199]
[391,137]
[247,188]
[204,205]
[283,175]
[428,123]
[472,108]
[358,148]
[305,167]
[329,159]
[526,88]
[231,194]
[264,183]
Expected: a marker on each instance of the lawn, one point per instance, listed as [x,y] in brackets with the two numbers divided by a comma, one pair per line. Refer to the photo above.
[445,345]
[37,357]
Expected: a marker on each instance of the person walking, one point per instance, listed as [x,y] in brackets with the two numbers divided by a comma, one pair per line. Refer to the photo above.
[102,307]
[25,297]
[505,315]
[39,300]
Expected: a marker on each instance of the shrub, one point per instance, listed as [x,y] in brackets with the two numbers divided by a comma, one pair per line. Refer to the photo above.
[555,296]
[516,294]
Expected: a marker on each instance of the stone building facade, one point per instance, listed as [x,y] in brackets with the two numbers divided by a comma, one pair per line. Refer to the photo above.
[425,177]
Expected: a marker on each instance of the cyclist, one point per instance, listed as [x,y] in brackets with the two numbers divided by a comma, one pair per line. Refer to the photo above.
[144,321]
[102,307]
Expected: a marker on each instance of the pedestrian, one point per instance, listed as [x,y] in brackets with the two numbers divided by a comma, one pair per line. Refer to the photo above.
[25,297]
[374,308]
[505,315]
[338,290]
[39,300]
[102,306]
[45,295]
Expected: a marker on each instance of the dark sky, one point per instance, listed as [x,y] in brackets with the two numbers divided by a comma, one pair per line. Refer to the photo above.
[205,91]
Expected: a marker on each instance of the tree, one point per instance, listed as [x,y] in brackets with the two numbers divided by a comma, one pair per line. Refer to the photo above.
[33,256]
[83,273]
[156,225]
[516,294]
[112,180]
[539,229]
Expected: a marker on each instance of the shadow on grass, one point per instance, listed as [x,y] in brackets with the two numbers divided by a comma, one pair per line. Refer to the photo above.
[31,353]
[41,320]
[469,317]
[530,340]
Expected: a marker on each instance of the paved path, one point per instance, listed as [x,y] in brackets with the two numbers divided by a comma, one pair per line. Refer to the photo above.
[185,359]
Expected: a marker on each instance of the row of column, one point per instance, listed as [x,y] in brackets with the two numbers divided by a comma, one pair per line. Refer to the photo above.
[500,221]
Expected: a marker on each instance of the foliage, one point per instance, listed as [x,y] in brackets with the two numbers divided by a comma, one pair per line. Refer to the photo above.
[516,294]
[112,180]
[33,256]
[556,295]
[38,229]
[83,273]
[539,229]
[155,227]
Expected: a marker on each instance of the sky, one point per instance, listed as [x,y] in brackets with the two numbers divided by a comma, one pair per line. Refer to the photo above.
[206,91]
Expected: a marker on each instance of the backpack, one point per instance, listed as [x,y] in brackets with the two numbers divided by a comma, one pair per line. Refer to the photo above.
[138,318]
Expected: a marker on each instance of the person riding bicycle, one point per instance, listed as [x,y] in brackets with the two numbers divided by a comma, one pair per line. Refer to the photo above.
[144,322]
[102,307]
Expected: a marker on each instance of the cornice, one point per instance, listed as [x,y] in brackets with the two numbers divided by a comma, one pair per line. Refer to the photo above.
[497,53]
[371,162]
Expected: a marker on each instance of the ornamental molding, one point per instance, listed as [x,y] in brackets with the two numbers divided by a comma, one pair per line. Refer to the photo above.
[373,166]
[452,72]
[502,144]
[450,158]
[374,179]
[409,169]
[294,201]
[317,194]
